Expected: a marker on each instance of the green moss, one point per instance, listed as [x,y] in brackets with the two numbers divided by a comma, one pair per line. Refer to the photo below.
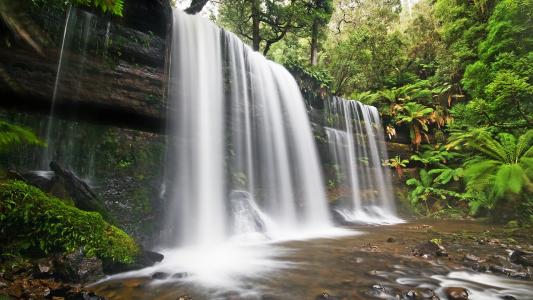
[34,222]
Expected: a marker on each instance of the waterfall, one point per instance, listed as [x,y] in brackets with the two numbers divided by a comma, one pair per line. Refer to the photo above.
[240,142]
[64,139]
[357,147]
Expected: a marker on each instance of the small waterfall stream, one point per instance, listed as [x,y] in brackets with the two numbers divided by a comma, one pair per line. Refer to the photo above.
[357,147]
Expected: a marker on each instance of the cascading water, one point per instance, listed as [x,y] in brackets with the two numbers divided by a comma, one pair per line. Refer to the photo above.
[242,166]
[63,137]
[239,125]
[357,147]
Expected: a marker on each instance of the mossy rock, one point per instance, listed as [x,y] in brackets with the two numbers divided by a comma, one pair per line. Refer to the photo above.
[33,222]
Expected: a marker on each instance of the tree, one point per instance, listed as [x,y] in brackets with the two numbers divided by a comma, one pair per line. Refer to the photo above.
[500,81]
[363,50]
[321,14]
[264,22]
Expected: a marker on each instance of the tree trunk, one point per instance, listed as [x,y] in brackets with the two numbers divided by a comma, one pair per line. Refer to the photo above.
[255,25]
[314,43]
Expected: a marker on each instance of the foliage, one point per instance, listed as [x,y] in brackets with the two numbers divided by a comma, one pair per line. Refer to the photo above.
[426,189]
[416,117]
[266,22]
[499,80]
[397,163]
[501,167]
[435,156]
[11,135]
[114,7]
[34,222]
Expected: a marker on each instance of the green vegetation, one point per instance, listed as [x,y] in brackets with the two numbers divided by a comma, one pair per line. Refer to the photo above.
[33,223]
[12,135]
[114,7]
[445,70]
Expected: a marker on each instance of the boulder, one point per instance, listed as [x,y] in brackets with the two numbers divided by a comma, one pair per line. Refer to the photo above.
[143,260]
[522,258]
[456,293]
[75,267]
[429,249]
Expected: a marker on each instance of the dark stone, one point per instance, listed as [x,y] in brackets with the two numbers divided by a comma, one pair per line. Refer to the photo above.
[149,258]
[180,275]
[145,259]
[77,189]
[83,295]
[508,297]
[391,240]
[40,179]
[160,275]
[456,293]
[126,88]
[326,296]
[43,269]
[429,249]
[522,258]
[419,294]
[75,267]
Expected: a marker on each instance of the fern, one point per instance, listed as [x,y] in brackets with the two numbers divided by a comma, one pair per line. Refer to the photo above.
[11,135]
[503,165]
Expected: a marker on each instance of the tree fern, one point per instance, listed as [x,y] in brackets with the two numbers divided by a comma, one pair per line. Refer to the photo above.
[501,167]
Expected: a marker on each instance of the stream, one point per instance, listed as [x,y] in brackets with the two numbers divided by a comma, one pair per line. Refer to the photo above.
[374,262]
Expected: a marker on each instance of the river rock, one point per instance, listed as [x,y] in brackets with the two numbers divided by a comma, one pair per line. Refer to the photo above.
[429,249]
[456,293]
[419,294]
[522,258]
[160,275]
[180,275]
[77,268]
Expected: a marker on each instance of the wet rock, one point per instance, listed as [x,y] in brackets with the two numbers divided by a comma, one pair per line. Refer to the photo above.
[145,259]
[508,297]
[76,188]
[160,275]
[456,293]
[83,295]
[149,258]
[381,291]
[522,258]
[43,268]
[429,249]
[516,274]
[325,295]
[242,205]
[472,257]
[180,275]
[76,267]
[419,294]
